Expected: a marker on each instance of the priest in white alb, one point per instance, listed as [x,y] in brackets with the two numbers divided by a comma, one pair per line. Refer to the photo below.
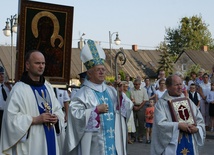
[93,120]
[33,117]
[170,137]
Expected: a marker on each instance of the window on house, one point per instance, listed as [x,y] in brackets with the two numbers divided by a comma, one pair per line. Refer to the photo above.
[184,67]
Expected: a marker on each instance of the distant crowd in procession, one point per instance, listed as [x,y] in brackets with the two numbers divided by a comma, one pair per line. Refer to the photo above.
[99,117]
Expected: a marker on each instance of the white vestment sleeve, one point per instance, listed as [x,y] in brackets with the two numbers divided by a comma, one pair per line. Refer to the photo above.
[199,136]
[78,116]
[172,146]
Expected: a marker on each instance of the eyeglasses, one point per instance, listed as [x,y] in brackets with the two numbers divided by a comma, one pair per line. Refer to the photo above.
[100,69]
[136,84]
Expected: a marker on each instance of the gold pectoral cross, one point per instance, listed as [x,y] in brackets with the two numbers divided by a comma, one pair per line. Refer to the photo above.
[47,109]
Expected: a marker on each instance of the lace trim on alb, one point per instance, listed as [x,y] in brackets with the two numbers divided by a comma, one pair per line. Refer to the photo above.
[92,122]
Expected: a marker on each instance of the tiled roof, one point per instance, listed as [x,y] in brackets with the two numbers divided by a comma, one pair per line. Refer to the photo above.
[5,59]
[147,60]
[142,62]
[204,59]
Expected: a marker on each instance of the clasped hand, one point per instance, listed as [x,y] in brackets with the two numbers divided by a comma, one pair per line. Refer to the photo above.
[45,118]
[187,128]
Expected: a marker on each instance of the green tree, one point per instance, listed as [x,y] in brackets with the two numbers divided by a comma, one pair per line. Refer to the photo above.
[191,34]
[166,61]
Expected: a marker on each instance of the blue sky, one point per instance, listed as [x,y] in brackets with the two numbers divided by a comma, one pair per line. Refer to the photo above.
[140,22]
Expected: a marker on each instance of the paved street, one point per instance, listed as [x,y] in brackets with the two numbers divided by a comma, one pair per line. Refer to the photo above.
[144,149]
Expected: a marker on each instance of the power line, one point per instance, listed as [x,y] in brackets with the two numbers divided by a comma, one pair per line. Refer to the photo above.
[153,47]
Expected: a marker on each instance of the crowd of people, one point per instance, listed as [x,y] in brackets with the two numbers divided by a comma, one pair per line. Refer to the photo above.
[101,119]
[150,102]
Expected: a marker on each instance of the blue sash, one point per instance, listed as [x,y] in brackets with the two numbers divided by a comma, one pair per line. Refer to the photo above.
[49,131]
[185,146]
[107,122]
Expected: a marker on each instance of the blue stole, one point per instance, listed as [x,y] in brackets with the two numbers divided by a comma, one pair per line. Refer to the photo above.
[185,146]
[49,131]
[107,122]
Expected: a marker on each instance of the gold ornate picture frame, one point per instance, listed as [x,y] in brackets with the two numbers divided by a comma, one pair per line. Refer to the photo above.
[181,111]
[47,28]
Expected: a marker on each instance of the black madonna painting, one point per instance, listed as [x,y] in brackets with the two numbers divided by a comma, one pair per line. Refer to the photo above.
[47,28]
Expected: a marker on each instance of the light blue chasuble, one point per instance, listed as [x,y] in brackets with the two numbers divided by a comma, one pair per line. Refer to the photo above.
[107,122]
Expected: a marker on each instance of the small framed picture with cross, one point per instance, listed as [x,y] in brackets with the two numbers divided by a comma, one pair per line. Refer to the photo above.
[181,111]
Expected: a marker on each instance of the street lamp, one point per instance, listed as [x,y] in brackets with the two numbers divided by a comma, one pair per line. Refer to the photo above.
[81,44]
[11,26]
[117,42]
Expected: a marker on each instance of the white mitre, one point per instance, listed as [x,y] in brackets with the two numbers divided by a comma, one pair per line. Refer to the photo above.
[92,54]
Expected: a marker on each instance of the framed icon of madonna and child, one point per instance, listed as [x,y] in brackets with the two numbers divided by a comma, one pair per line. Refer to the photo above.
[47,28]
